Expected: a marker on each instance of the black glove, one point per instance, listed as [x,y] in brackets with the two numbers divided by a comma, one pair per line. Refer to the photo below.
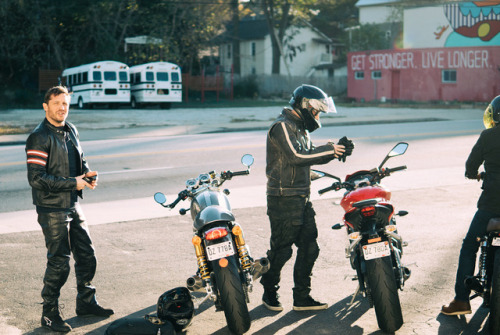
[349,146]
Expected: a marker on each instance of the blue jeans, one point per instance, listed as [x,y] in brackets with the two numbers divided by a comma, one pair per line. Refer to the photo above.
[470,245]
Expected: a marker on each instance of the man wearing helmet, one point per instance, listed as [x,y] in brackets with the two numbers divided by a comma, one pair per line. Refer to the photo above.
[290,154]
[486,151]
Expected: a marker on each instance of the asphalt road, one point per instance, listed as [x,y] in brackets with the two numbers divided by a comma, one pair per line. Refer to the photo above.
[136,262]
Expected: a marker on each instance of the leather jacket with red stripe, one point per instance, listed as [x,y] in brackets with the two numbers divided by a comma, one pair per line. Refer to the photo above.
[290,154]
[48,164]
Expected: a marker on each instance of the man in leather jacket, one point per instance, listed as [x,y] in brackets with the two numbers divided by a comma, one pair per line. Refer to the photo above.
[486,151]
[290,154]
[57,173]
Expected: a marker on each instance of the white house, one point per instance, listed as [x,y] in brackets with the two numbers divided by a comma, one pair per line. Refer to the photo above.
[306,51]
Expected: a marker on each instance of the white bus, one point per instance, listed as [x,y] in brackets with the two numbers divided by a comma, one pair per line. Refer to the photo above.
[155,83]
[105,82]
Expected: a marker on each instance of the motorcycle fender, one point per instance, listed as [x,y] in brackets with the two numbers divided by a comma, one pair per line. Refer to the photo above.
[212,214]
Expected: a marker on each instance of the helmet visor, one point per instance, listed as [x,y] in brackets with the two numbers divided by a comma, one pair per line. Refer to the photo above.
[325,105]
[488,120]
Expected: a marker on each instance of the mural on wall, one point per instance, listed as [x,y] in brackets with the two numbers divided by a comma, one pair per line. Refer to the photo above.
[474,23]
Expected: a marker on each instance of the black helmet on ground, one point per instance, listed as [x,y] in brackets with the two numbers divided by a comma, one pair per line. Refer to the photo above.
[491,116]
[176,306]
[309,101]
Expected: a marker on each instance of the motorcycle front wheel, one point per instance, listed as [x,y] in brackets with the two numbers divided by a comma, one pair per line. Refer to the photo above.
[232,296]
[384,293]
[495,296]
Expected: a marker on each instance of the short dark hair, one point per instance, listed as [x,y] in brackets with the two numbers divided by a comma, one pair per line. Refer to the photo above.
[54,91]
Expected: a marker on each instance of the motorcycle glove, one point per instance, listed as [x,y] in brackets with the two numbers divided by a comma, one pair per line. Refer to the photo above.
[349,146]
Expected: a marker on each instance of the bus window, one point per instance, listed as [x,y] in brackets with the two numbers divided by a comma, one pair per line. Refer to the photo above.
[123,76]
[162,76]
[97,75]
[150,76]
[175,76]
[85,77]
[110,75]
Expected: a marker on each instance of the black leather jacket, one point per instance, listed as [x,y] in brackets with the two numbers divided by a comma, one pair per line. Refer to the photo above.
[487,151]
[48,165]
[290,154]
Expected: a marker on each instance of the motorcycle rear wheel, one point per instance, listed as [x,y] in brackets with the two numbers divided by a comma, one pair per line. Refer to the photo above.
[232,296]
[384,293]
[494,326]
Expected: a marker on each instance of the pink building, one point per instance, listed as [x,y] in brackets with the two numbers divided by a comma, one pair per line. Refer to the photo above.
[433,74]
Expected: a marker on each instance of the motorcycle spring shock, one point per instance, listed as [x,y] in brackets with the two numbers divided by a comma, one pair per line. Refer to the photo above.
[201,258]
[244,257]
[246,263]
[482,261]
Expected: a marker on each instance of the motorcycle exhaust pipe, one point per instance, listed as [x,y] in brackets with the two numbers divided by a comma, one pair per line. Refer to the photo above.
[259,267]
[406,273]
[194,283]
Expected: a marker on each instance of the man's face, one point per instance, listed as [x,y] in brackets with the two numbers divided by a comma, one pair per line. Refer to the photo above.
[316,113]
[56,110]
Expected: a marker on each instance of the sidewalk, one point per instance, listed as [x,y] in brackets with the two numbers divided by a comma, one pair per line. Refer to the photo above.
[108,124]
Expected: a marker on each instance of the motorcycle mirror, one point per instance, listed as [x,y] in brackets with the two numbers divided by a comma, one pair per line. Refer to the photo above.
[402,213]
[398,150]
[320,174]
[337,226]
[247,160]
[160,198]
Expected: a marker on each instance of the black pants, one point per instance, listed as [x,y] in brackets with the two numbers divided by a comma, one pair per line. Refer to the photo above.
[292,222]
[67,232]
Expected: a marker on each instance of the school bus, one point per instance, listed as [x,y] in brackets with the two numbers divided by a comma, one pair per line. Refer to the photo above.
[158,83]
[105,82]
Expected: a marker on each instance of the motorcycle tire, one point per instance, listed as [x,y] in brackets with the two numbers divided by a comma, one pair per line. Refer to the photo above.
[384,293]
[232,296]
[494,325]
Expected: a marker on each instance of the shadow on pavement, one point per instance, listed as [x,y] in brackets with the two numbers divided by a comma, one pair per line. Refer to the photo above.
[450,325]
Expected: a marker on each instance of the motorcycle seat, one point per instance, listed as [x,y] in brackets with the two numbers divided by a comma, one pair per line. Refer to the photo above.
[493,225]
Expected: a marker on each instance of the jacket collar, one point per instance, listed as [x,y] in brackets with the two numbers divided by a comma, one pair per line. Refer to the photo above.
[57,130]
[289,114]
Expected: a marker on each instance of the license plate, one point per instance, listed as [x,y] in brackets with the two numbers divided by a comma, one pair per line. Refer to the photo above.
[495,242]
[376,250]
[216,251]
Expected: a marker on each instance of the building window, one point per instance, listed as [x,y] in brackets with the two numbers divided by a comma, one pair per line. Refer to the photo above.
[229,51]
[253,49]
[449,76]
[254,71]
[376,74]
[359,75]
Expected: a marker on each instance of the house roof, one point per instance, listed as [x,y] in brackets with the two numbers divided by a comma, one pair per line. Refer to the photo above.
[363,3]
[257,28]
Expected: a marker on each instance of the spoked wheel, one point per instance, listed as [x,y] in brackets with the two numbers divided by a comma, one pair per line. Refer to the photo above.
[495,296]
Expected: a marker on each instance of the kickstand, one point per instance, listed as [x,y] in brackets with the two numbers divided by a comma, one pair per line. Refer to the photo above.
[354,295]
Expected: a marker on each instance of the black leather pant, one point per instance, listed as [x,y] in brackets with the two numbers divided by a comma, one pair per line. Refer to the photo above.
[67,232]
[292,222]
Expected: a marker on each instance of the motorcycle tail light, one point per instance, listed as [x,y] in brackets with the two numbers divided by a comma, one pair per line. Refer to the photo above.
[215,234]
[368,211]
[223,262]
[391,227]
[376,239]
[354,236]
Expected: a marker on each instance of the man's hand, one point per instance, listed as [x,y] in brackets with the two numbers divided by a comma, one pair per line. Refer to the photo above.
[81,184]
[348,145]
[339,149]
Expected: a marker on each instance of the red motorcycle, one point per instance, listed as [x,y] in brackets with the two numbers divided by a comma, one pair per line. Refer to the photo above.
[375,247]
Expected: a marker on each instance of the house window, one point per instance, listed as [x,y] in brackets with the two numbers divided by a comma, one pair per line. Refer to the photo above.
[449,76]
[253,49]
[359,75]
[229,51]
[376,74]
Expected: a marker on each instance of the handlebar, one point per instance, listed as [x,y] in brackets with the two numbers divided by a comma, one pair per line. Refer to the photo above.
[239,173]
[377,176]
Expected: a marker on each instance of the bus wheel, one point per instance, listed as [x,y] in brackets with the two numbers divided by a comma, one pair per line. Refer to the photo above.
[166,105]
[81,105]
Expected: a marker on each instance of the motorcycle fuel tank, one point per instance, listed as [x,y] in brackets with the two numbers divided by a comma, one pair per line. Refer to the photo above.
[363,193]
